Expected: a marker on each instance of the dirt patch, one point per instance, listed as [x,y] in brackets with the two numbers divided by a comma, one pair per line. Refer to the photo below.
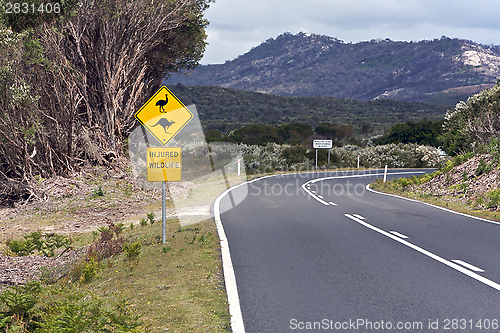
[75,205]
[18,270]
[84,202]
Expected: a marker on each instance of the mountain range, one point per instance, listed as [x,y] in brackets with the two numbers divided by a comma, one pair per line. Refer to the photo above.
[442,71]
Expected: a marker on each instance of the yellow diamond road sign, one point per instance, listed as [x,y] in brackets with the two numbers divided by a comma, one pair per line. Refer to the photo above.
[164,115]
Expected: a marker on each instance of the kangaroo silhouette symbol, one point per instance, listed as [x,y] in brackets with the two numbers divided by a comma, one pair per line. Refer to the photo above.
[165,123]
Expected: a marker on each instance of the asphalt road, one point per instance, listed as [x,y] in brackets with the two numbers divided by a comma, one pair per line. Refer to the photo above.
[331,255]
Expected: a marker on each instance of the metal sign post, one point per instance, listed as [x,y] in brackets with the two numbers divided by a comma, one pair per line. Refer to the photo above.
[164,164]
[164,213]
[162,112]
[316,159]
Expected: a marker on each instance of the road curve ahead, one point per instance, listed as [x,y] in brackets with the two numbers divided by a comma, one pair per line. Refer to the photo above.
[321,252]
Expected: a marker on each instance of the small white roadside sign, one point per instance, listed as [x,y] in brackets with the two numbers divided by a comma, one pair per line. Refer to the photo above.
[322,144]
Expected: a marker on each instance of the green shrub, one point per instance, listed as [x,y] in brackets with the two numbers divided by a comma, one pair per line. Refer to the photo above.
[132,250]
[494,148]
[118,228]
[17,307]
[90,269]
[151,217]
[494,198]
[294,154]
[20,247]
[459,159]
[447,166]
[98,192]
[35,241]
[403,182]
[74,311]
[483,168]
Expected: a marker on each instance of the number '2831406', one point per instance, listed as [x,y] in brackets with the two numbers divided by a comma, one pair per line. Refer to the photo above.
[32,8]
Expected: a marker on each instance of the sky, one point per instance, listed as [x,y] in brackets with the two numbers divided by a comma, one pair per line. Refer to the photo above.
[236,26]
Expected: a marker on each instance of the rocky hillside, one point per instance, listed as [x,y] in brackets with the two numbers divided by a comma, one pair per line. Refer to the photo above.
[442,71]
[476,181]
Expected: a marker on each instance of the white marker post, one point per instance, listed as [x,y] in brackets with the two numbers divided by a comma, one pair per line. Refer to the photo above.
[358,161]
[385,173]
[239,165]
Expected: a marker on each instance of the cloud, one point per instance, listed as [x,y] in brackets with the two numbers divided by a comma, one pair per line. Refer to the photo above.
[238,25]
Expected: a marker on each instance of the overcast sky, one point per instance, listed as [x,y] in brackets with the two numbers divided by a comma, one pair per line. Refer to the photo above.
[238,25]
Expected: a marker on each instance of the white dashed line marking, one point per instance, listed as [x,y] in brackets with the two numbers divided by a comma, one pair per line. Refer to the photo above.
[398,234]
[448,263]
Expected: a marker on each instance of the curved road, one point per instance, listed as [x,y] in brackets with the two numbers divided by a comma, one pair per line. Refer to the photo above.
[316,252]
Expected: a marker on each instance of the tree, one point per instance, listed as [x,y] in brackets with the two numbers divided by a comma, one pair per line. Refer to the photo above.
[75,81]
[336,132]
[477,120]
[252,134]
[424,132]
[295,132]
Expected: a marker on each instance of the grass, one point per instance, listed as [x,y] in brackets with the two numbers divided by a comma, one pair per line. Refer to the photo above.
[452,203]
[175,287]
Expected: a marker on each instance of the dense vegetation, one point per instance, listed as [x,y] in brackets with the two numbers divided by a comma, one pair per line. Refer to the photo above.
[472,123]
[469,182]
[71,83]
[312,65]
[293,134]
[424,132]
[227,110]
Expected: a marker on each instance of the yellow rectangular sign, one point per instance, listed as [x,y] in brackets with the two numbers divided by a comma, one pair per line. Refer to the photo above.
[164,164]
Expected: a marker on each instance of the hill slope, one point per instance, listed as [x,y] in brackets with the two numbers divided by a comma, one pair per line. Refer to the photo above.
[443,71]
[227,109]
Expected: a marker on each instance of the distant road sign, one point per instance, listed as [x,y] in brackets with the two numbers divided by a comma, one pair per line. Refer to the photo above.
[322,144]
[164,115]
[164,164]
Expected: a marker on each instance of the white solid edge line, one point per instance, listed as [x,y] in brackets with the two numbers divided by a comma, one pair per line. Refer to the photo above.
[237,325]
[429,254]
[469,266]
[332,203]
[359,216]
[428,204]
[397,234]
[312,181]
[306,186]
